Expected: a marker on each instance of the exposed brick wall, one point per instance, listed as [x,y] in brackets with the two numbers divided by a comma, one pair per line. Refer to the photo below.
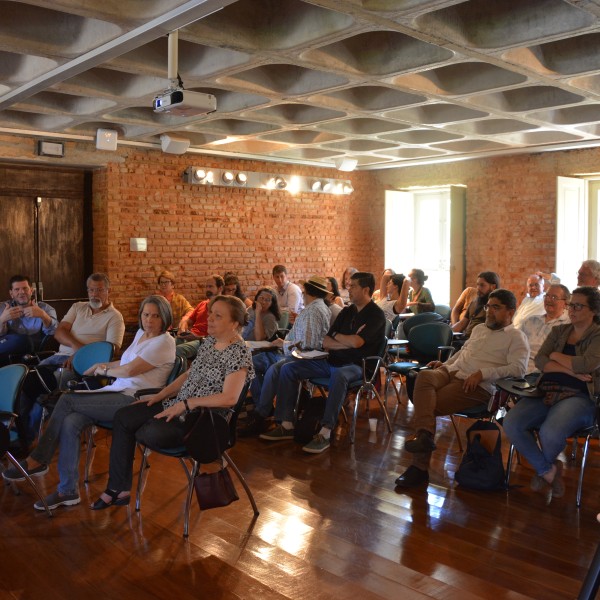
[195,231]
[511,207]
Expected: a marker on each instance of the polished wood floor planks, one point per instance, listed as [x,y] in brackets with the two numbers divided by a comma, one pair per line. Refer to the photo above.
[331,526]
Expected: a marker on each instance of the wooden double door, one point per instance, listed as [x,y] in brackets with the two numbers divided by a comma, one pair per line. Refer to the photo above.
[46,232]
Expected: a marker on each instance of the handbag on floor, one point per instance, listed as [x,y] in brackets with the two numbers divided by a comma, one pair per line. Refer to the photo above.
[481,467]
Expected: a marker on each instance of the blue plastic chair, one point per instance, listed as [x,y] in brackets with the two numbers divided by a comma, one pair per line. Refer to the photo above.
[178,368]
[11,380]
[191,471]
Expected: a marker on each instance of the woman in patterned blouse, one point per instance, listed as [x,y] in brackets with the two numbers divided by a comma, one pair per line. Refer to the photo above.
[216,379]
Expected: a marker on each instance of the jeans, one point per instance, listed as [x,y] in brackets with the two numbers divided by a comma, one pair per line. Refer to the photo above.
[290,375]
[269,387]
[261,362]
[555,424]
[136,423]
[71,415]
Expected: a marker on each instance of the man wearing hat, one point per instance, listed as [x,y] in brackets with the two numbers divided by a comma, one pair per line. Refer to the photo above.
[308,331]
[358,332]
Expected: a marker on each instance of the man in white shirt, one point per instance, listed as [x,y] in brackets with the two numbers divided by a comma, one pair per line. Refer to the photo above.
[537,327]
[533,303]
[289,294]
[495,349]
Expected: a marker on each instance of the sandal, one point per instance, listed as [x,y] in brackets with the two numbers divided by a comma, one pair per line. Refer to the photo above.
[115,500]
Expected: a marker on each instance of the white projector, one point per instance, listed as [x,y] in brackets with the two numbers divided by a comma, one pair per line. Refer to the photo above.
[183,103]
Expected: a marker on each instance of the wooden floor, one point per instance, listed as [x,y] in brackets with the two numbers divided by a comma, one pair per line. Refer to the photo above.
[331,527]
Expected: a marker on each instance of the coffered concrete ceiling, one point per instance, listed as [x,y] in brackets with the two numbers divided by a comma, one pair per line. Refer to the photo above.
[387,82]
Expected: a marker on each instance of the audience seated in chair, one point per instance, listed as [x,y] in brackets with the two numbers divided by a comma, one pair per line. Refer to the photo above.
[288,293]
[419,297]
[487,282]
[146,363]
[23,320]
[217,376]
[495,349]
[537,327]
[233,287]
[96,320]
[194,325]
[459,310]
[358,332]
[179,303]
[395,298]
[381,292]
[345,283]
[308,332]
[570,362]
[263,317]
[533,303]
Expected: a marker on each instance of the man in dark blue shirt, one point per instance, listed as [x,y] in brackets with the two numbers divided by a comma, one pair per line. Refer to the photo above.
[357,332]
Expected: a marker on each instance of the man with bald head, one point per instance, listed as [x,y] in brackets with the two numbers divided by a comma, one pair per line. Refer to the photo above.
[533,303]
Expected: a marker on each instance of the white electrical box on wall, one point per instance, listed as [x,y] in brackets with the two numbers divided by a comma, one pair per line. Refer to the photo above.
[138,244]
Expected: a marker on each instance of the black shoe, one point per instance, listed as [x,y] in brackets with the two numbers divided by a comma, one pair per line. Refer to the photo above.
[422,442]
[412,477]
[254,425]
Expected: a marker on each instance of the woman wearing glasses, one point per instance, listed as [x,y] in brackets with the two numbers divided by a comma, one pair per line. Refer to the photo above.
[569,360]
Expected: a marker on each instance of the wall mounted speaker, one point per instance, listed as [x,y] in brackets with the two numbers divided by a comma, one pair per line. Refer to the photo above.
[173,145]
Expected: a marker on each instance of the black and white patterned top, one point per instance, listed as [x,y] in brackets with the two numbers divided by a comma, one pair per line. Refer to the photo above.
[211,366]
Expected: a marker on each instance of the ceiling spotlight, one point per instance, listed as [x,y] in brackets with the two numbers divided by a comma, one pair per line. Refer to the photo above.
[279,183]
[348,189]
[227,177]
[200,174]
[241,178]
[316,185]
[328,187]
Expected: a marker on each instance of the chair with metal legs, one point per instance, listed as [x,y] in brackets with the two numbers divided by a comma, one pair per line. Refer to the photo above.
[176,371]
[366,387]
[191,470]
[11,380]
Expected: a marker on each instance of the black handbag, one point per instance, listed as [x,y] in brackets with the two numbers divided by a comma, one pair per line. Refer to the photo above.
[205,441]
[206,435]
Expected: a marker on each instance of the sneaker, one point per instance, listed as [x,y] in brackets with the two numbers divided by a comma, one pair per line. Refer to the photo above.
[13,474]
[279,433]
[317,445]
[55,500]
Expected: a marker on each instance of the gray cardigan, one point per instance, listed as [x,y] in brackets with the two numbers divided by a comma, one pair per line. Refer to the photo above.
[587,352]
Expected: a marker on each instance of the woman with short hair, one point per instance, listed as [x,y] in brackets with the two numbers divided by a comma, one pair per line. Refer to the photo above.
[146,363]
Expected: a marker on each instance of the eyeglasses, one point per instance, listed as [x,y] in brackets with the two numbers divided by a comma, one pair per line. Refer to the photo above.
[555,298]
[576,306]
[493,306]
[164,282]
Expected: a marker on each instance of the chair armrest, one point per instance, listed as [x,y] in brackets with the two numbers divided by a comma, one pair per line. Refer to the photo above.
[449,349]
[146,392]
[8,415]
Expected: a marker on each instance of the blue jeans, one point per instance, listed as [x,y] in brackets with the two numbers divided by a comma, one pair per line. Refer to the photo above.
[269,387]
[293,372]
[71,415]
[555,424]
[261,362]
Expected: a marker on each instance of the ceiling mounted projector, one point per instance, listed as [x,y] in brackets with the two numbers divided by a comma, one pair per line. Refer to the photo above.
[184,103]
